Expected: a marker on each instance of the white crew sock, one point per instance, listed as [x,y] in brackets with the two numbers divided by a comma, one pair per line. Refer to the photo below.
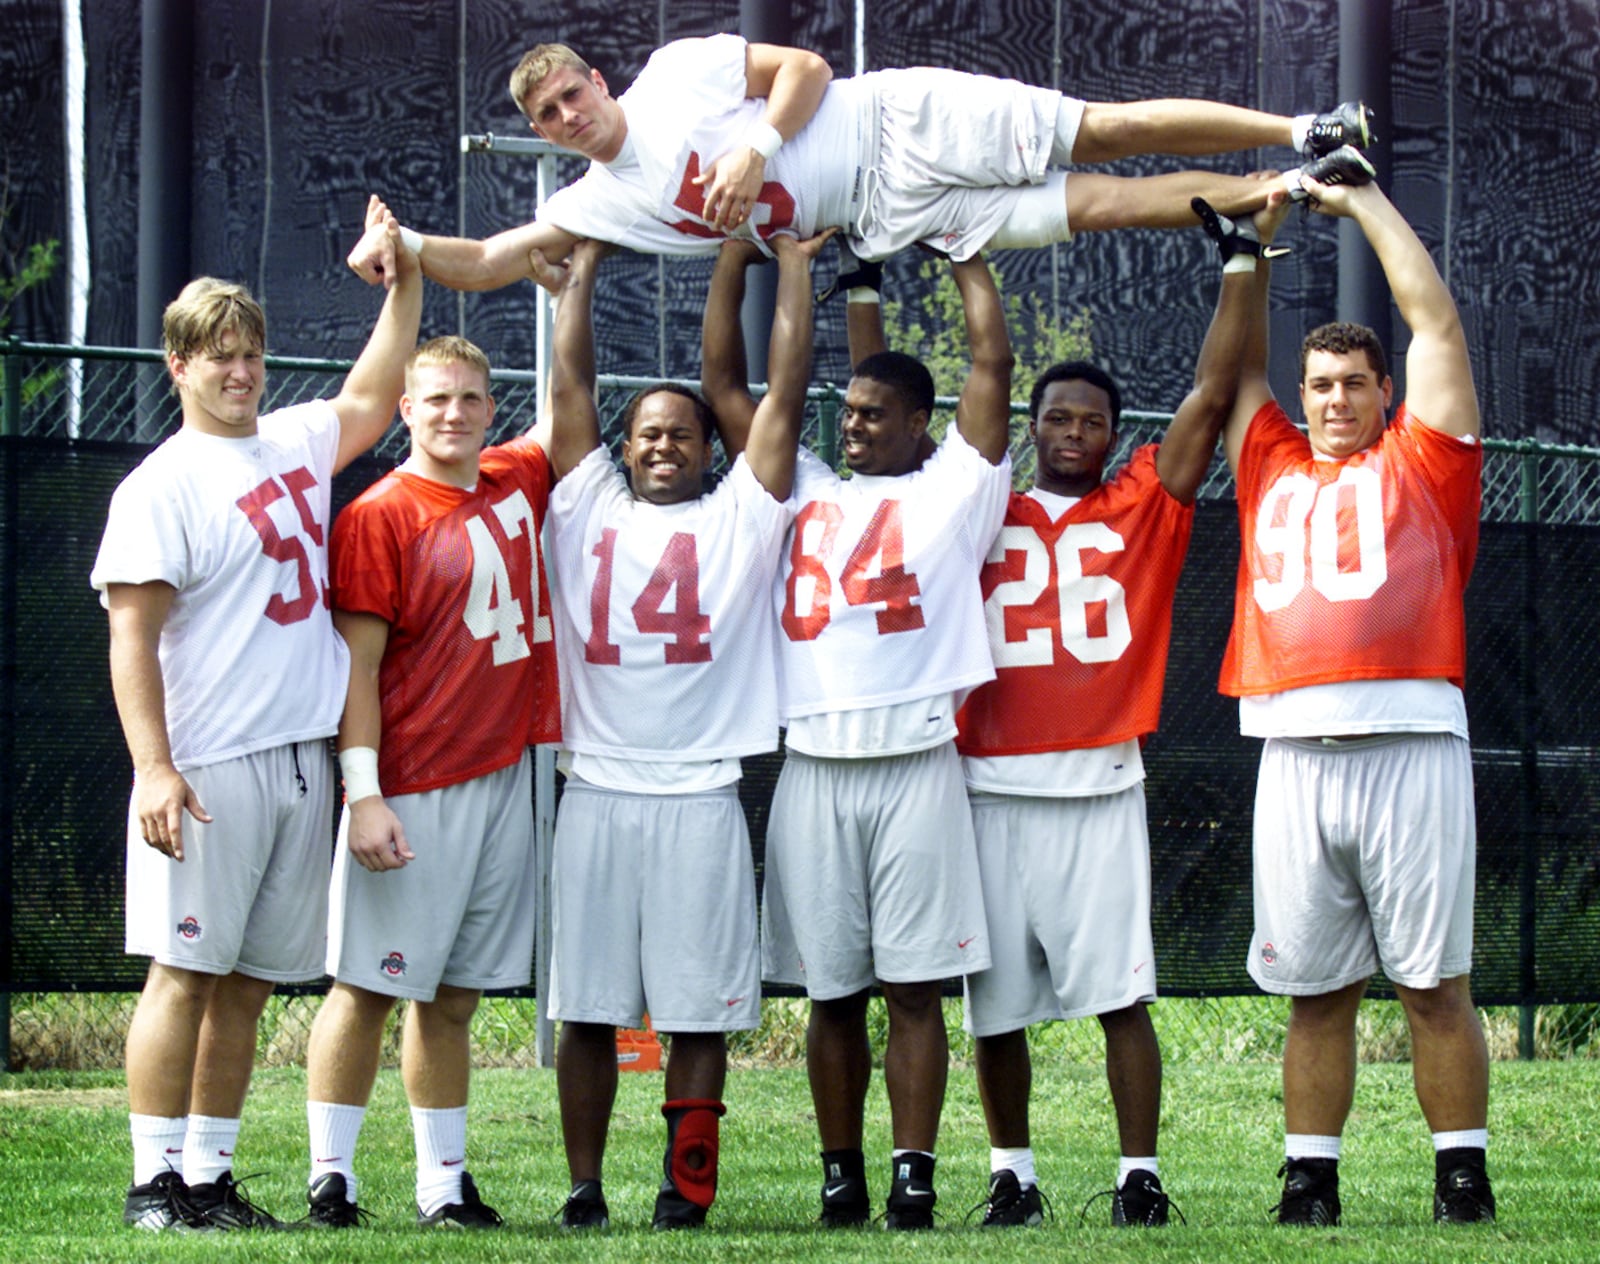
[157,1145]
[208,1147]
[334,1128]
[441,1137]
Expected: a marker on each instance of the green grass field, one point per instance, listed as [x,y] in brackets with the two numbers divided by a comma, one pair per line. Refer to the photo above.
[66,1160]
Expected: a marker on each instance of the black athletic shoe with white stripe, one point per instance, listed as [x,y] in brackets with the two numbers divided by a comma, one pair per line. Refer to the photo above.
[1310,1193]
[161,1203]
[470,1213]
[1349,123]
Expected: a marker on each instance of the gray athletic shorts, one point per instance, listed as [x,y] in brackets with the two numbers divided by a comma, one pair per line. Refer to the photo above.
[871,873]
[1066,890]
[251,893]
[654,904]
[958,155]
[462,912]
[1365,855]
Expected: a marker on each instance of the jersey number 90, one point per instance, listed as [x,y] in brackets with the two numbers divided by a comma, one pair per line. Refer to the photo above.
[1308,526]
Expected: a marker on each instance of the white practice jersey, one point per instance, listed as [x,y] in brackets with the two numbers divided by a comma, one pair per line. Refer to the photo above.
[687,108]
[249,657]
[663,630]
[878,599]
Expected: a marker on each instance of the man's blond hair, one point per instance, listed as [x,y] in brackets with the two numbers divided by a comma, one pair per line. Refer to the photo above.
[537,64]
[205,311]
[448,349]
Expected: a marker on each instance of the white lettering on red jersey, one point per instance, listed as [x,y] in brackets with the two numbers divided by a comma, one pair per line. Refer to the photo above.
[1352,569]
[879,600]
[662,619]
[237,526]
[1079,614]
[468,679]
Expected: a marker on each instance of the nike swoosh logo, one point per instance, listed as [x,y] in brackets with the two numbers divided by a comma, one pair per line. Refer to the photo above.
[914,1191]
[962,943]
[735,1001]
[224,1154]
[451,1162]
[1140,966]
[338,1158]
[174,1149]
[835,1189]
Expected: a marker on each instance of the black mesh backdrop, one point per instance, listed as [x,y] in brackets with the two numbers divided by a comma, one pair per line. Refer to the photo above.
[302,109]
[1538,926]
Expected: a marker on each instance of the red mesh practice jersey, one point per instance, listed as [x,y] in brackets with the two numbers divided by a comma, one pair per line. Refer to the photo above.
[1080,615]
[469,675]
[1353,569]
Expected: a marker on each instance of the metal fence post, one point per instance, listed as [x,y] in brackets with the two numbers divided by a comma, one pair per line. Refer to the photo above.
[10,389]
[828,426]
[1528,811]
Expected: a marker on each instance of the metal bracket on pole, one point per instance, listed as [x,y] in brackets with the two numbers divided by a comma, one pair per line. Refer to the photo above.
[488,142]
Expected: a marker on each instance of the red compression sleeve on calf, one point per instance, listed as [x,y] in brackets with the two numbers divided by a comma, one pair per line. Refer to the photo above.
[692,1129]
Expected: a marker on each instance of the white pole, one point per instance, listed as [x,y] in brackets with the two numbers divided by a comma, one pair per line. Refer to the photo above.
[77,209]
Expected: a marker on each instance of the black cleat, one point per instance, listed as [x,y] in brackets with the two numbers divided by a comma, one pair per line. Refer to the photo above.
[1140,1202]
[586,1208]
[161,1203]
[911,1196]
[470,1213]
[222,1204]
[1462,1196]
[674,1211]
[1310,1192]
[1346,165]
[854,273]
[331,1207]
[846,1204]
[1233,236]
[1009,1204]
[1349,123]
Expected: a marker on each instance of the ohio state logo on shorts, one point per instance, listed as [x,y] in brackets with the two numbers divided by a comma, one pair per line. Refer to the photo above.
[189,928]
[1269,955]
[393,965]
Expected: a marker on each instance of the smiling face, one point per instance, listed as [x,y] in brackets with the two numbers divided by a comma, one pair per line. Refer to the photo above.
[576,111]
[220,387]
[1072,435]
[667,450]
[1345,401]
[448,408]
[879,432]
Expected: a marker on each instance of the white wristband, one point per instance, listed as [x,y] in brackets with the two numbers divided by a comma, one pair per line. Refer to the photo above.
[764,138]
[862,294]
[1240,263]
[359,764]
[411,239]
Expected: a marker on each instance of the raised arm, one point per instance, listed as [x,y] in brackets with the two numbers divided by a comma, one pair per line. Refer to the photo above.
[775,429]
[983,412]
[376,839]
[161,795]
[463,263]
[1186,449]
[724,371]
[1253,388]
[371,392]
[575,421]
[792,80]
[1439,390]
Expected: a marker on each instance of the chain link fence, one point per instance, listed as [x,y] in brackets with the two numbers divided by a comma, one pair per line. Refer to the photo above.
[1538,886]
